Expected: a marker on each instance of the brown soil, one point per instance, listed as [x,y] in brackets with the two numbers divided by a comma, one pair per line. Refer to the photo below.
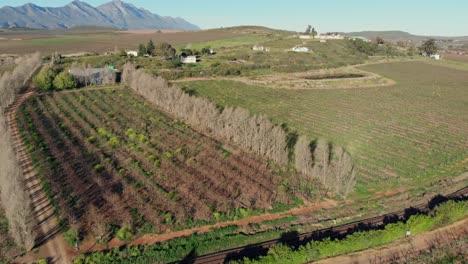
[408,247]
[152,239]
[52,244]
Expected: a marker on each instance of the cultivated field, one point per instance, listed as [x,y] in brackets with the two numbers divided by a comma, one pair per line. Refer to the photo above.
[105,41]
[109,160]
[407,135]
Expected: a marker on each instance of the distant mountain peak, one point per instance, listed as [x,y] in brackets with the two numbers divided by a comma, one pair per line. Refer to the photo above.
[116,14]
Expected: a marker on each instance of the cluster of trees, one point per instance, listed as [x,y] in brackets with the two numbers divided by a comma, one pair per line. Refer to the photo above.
[310,31]
[162,49]
[332,165]
[54,78]
[13,195]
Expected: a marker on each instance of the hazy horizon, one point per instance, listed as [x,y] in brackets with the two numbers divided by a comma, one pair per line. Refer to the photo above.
[427,18]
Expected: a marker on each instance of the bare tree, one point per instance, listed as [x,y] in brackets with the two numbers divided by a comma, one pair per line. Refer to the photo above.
[251,132]
[255,133]
[12,82]
[15,200]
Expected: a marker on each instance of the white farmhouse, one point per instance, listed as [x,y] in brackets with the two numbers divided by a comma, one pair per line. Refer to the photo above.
[188,59]
[132,53]
[306,37]
[300,49]
[435,56]
[330,36]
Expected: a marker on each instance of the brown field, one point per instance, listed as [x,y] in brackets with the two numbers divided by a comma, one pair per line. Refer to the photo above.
[102,41]
[113,160]
[456,57]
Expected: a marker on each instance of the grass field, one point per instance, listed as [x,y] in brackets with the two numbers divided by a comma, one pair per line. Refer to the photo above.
[109,160]
[407,135]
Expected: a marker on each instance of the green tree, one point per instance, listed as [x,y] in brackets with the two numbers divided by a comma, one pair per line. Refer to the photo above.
[44,81]
[150,47]
[142,50]
[308,29]
[314,32]
[429,47]
[165,50]
[64,80]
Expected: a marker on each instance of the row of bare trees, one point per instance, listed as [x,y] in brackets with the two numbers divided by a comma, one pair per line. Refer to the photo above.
[251,132]
[331,164]
[10,82]
[15,200]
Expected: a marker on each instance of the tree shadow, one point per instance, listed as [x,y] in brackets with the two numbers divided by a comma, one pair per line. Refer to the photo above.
[294,240]
[190,258]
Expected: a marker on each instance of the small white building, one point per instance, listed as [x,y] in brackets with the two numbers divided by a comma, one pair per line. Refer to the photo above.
[306,37]
[189,59]
[435,56]
[300,49]
[260,48]
[132,53]
[330,36]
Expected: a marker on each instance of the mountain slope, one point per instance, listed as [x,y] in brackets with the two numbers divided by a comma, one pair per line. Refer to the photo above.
[128,16]
[116,14]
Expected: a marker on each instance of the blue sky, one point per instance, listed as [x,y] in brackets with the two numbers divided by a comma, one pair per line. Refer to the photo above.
[429,17]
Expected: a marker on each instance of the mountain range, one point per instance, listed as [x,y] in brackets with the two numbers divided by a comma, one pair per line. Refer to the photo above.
[115,14]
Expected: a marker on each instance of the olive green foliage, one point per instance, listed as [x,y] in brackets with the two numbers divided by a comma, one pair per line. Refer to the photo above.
[150,47]
[71,236]
[362,46]
[444,214]
[44,81]
[429,47]
[124,234]
[64,80]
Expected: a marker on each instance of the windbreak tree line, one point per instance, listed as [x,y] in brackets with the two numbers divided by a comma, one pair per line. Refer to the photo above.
[15,200]
[255,133]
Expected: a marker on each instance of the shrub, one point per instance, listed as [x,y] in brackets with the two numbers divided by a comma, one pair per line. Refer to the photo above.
[124,234]
[44,81]
[64,80]
[71,236]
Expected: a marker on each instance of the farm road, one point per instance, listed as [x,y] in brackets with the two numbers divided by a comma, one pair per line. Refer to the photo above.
[49,241]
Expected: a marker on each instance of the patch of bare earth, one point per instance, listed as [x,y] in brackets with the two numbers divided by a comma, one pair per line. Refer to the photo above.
[152,239]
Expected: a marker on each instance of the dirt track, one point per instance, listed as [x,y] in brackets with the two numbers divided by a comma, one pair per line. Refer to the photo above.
[408,247]
[50,242]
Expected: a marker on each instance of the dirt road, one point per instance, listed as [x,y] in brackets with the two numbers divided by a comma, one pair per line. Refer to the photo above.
[49,241]
[408,247]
